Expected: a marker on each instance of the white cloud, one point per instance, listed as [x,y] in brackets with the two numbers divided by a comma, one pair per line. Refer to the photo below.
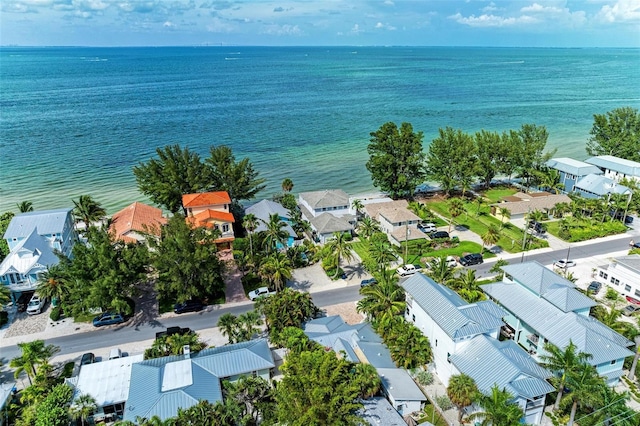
[621,11]
[355,29]
[491,7]
[217,25]
[382,26]
[282,30]
[489,20]
[389,3]
[168,24]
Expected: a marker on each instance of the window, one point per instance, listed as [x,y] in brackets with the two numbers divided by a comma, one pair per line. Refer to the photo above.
[637,293]
[408,311]
[603,275]
[413,318]
[627,287]
[617,282]
[613,362]
[225,228]
[448,357]
[436,343]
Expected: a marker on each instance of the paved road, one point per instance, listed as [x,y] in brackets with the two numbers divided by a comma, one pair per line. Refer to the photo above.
[88,341]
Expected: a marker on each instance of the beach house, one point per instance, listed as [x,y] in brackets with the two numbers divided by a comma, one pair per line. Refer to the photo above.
[465,339]
[263,211]
[623,275]
[396,220]
[33,240]
[520,203]
[328,212]
[599,186]
[544,307]
[571,171]
[211,210]
[135,221]
[616,168]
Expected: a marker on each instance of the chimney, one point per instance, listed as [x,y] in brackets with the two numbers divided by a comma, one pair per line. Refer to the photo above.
[187,351]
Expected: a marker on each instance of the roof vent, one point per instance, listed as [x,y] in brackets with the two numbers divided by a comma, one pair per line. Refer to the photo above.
[187,351]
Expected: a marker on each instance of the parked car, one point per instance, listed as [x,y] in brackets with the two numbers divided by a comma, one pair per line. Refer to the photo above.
[438,235]
[370,281]
[471,259]
[23,300]
[427,227]
[115,353]
[192,305]
[87,358]
[36,305]
[451,262]
[407,269]
[630,310]
[594,287]
[170,331]
[108,318]
[563,264]
[260,292]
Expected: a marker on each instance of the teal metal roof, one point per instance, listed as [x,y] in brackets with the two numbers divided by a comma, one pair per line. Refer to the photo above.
[45,221]
[573,167]
[600,185]
[620,165]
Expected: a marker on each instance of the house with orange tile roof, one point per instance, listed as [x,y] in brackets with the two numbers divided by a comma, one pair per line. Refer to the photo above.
[211,210]
[132,223]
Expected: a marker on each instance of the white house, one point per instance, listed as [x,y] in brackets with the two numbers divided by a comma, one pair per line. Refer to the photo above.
[623,275]
[464,339]
[616,168]
[396,220]
[544,307]
[333,201]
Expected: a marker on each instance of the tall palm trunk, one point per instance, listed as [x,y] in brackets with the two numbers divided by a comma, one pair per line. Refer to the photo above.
[559,397]
[574,408]
[634,364]
[337,267]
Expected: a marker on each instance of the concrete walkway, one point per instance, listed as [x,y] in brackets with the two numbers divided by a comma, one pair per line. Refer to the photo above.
[233,289]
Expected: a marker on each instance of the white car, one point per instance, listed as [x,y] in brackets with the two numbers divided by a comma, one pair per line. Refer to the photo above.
[36,305]
[407,269]
[260,292]
[451,262]
[563,264]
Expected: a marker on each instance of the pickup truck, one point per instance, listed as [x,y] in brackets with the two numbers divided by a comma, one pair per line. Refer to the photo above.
[407,269]
[260,292]
[171,331]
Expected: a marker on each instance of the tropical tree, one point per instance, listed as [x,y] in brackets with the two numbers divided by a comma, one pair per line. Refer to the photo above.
[498,409]
[249,323]
[287,185]
[357,205]
[497,269]
[25,206]
[250,223]
[229,327]
[381,253]
[490,237]
[616,133]
[382,301]
[287,308]
[551,180]
[562,363]
[440,271]
[174,345]
[611,410]
[584,384]
[633,333]
[5,220]
[456,208]
[34,353]
[275,233]
[530,142]
[396,159]
[339,247]
[52,283]
[83,406]
[505,213]
[462,391]
[367,380]
[452,160]
[277,269]
[466,284]
[367,227]
[409,348]
[88,211]
[175,171]
[5,294]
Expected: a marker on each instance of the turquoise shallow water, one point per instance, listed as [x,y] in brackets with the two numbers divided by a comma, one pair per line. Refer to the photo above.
[75,120]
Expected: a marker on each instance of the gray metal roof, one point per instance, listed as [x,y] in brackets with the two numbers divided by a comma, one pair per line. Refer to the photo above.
[326,198]
[326,223]
[627,167]
[489,361]
[377,411]
[557,326]
[448,309]
[601,185]
[45,221]
[548,285]
[264,209]
[571,166]
[29,254]
[399,384]
[631,261]
[160,386]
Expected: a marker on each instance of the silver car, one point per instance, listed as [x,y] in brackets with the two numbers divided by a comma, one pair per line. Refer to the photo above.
[36,305]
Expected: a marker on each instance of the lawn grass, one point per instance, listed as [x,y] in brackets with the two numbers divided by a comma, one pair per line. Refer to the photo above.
[586,229]
[431,415]
[462,248]
[496,194]
[510,235]
[360,247]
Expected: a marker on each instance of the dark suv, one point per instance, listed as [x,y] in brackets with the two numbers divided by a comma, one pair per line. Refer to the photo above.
[438,235]
[188,306]
[471,259]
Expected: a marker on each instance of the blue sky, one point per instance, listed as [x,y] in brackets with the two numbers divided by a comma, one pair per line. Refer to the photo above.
[585,23]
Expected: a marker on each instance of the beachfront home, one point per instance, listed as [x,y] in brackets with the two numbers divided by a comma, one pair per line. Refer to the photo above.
[571,171]
[396,220]
[33,239]
[263,211]
[211,210]
[599,186]
[135,221]
[359,343]
[333,201]
[161,386]
[520,203]
[623,275]
[616,168]
[464,339]
[544,307]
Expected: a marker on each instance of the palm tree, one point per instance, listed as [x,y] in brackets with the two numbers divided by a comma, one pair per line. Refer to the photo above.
[275,233]
[612,409]
[385,300]
[505,213]
[440,272]
[479,202]
[367,227]
[562,363]
[25,206]
[633,334]
[250,223]
[52,283]
[277,269]
[287,185]
[461,391]
[381,253]
[490,237]
[339,247]
[83,406]
[498,409]
[456,208]
[228,325]
[551,181]
[585,384]
[88,210]
[367,380]
[357,206]
[466,284]
[249,323]
[33,354]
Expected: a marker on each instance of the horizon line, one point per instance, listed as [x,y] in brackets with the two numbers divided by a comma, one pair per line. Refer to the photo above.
[315,46]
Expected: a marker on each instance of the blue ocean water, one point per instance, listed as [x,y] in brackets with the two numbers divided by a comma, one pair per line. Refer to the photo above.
[75,120]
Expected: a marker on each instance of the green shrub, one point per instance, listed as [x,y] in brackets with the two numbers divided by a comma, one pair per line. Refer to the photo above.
[425,378]
[55,314]
[444,402]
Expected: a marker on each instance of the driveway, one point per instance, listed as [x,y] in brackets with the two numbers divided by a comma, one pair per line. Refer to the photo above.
[313,278]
